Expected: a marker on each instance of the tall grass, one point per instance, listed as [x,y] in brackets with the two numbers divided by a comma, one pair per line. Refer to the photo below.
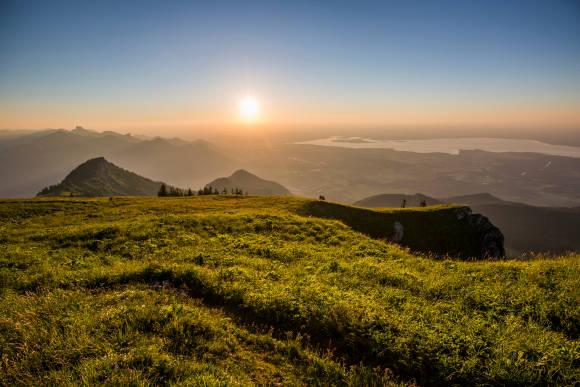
[225,289]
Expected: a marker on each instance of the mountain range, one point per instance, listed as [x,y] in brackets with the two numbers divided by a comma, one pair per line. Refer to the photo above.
[540,193]
[35,160]
[99,177]
[30,160]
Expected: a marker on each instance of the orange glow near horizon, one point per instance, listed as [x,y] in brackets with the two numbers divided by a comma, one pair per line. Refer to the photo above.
[166,118]
[282,66]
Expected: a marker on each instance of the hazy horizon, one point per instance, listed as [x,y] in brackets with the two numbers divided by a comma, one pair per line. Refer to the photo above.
[223,135]
[181,69]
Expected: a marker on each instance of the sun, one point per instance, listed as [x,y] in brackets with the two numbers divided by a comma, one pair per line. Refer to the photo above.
[249,108]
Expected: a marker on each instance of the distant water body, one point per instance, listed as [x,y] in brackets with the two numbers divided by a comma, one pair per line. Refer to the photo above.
[450,145]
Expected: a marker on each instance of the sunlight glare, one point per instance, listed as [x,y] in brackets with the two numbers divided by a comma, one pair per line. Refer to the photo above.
[249,108]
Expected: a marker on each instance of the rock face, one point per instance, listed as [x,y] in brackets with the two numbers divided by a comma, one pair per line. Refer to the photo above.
[490,238]
[443,231]
[397,235]
[463,212]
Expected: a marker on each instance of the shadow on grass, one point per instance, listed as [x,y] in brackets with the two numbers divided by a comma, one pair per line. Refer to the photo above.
[431,230]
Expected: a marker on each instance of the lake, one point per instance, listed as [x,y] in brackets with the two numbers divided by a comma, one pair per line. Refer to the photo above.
[449,145]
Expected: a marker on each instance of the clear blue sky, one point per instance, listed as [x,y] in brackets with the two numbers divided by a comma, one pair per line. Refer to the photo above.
[113,64]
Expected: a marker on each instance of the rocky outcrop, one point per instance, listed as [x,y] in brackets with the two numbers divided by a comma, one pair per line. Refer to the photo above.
[444,231]
[397,235]
[490,239]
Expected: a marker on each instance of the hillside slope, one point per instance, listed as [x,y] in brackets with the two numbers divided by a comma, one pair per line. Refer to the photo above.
[249,183]
[442,230]
[98,177]
[220,290]
[526,228]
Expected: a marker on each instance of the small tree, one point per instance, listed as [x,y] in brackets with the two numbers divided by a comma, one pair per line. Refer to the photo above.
[423,203]
[162,190]
[189,192]
[321,197]
[404,203]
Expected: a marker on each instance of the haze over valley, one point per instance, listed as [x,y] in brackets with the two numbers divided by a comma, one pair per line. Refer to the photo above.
[339,172]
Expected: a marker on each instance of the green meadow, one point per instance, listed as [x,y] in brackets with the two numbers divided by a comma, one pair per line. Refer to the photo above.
[238,290]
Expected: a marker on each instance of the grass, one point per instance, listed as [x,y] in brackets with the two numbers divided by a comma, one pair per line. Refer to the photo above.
[433,229]
[222,290]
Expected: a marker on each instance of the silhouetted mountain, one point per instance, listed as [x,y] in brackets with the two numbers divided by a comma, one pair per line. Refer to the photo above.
[249,183]
[395,200]
[475,199]
[98,177]
[79,130]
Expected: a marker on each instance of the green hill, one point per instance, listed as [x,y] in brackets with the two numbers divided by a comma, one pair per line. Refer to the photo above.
[249,183]
[526,228]
[222,290]
[440,230]
[98,177]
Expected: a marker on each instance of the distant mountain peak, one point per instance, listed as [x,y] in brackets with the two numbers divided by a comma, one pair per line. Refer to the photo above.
[84,132]
[92,163]
[250,183]
[478,198]
[98,177]
[242,173]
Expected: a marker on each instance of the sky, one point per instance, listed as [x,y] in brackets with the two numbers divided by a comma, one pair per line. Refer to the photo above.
[173,66]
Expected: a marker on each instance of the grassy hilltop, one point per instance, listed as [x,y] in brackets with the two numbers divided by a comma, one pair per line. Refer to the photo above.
[219,290]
